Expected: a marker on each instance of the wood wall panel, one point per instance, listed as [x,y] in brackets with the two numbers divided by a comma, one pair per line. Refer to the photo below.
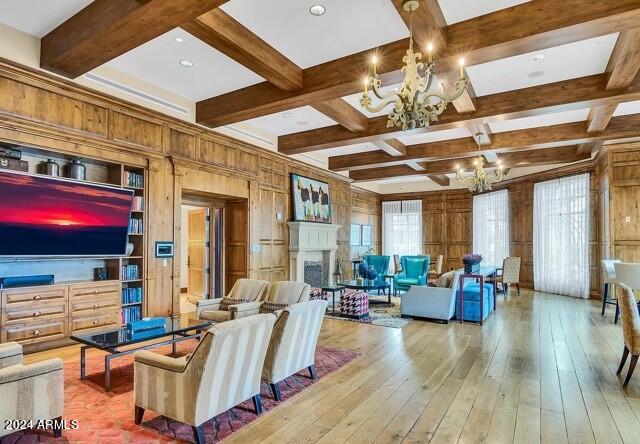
[365,210]
[41,105]
[182,144]
[136,131]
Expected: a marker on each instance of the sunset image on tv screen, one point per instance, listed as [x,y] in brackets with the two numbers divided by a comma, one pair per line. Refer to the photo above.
[42,216]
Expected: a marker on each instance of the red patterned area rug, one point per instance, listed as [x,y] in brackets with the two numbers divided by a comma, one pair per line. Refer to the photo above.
[107,417]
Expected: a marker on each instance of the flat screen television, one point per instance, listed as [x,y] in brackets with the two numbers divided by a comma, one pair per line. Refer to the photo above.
[43,216]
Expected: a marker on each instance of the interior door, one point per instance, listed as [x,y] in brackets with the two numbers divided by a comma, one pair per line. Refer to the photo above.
[198,260]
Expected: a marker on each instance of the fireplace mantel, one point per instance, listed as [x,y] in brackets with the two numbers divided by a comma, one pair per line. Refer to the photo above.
[311,241]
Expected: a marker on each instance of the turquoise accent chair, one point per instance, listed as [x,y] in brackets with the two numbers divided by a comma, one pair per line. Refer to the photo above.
[380,264]
[414,272]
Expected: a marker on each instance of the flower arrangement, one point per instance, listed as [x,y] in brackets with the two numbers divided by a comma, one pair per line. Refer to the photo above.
[471,262]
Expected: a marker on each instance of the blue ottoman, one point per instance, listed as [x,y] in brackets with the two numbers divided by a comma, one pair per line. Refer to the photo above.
[471,302]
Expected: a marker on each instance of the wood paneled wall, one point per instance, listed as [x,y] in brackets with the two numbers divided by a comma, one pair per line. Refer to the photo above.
[623,168]
[43,111]
[448,221]
[365,210]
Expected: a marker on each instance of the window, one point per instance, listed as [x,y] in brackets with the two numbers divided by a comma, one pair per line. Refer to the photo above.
[402,227]
[561,236]
[491,227]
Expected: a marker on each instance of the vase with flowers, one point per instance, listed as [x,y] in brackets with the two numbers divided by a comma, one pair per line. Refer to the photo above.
[471,262]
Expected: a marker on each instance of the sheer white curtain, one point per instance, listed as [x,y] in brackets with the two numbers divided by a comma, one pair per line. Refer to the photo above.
[491,227]
[402,227]
[561,236]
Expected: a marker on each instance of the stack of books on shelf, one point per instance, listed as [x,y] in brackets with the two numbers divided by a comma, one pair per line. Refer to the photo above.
[130,272]
[131,295]
[130,314]
[138,203]
[135,226]
[134,180]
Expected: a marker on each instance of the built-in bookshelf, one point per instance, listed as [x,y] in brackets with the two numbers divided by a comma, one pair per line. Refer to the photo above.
[132,267]
[128,270]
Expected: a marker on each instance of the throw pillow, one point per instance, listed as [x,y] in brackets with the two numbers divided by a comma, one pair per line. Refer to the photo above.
[224,304]
[272,307]
[445,280]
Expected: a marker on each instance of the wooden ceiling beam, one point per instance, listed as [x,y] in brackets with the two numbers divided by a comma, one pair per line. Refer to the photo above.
[624,62]
[599,117]
[441,179]
[106,29]
[221,31]
[392,147]
[343,113]
[538,100]
[621,127]
[527,27]
[551,156]
[429,24]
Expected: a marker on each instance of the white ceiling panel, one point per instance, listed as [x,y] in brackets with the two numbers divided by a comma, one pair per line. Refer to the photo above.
[578,115]
[38,17]
[627,108]
[354,100]
[347,27]
[435,136]
[158,62]
[455,11]
[293,121]
[578,59]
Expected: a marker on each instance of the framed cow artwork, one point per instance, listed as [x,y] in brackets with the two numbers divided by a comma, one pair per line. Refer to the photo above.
[311,201]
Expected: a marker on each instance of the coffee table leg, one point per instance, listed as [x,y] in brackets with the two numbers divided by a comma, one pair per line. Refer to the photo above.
[107,373]
[82,363]
[333,296]
[173,346]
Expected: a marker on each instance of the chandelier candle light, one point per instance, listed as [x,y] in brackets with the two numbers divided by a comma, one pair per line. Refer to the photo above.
[480,181]
[414,104]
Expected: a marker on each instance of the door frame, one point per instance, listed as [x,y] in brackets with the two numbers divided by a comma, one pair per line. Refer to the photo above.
[214,205]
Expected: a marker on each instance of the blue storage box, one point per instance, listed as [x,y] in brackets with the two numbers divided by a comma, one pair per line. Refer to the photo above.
[146,324]
[471,302]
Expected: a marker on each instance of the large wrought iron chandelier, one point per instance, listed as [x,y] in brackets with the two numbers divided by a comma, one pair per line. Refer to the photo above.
[480,181]
[414,104]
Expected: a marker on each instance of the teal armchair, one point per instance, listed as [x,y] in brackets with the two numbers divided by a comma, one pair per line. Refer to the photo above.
[414,272]
[380,264]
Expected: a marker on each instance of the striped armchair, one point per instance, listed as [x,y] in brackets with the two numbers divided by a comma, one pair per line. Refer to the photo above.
[223,371]
[29,392]
[242,300]
[293,343]
[281,294]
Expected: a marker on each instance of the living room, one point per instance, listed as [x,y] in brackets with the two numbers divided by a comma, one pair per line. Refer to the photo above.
[324,221]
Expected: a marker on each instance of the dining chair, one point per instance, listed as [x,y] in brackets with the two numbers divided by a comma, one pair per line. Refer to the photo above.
[609,279]
[627,273]
[630,330]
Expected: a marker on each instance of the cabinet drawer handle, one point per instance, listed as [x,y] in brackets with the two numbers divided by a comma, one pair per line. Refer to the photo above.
[95,305]
[36,297]
[95,322]
[36,314]
[36,332]
[95,291]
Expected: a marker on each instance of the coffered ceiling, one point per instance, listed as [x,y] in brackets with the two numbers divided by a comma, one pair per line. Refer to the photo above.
[544,74]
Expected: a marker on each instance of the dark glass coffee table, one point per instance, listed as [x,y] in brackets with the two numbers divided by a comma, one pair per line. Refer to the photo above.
[369,286]
[175,330]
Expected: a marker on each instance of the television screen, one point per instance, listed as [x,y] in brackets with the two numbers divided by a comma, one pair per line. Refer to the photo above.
[45,216]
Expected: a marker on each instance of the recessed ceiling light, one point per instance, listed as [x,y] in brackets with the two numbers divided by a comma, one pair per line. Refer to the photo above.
[186,63]
[537,57]
[317,10]
[179,39]
[287,115]
[536,74]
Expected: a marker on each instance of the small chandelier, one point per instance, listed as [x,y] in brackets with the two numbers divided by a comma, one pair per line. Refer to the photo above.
[480,181]
[414,106]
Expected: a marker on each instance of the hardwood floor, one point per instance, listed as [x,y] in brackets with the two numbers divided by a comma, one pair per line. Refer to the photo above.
[541,369]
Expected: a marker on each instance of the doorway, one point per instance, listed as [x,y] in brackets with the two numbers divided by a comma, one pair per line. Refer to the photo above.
[201,244]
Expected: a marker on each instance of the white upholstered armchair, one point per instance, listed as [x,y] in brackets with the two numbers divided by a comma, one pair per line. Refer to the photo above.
[510,274]
[242,300]
[29,392]
[293,343]
[223,371]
